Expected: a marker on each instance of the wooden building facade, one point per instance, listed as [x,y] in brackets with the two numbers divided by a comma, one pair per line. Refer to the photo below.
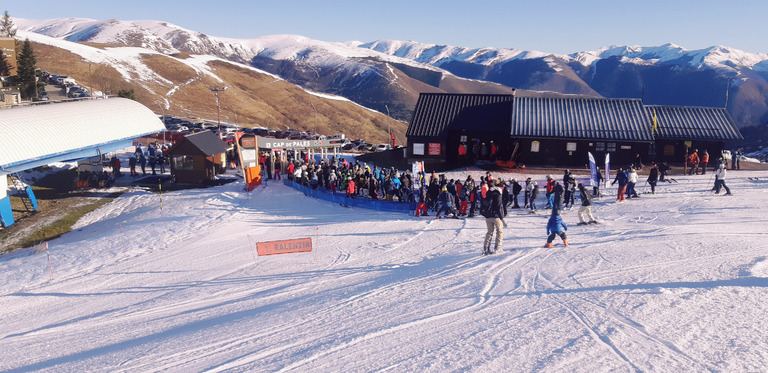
[197,158]
[681,129]
[454,130]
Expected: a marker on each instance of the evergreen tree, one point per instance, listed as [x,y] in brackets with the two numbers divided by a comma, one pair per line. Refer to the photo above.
[27,66]
[7,28]
[5,68]
[127,93]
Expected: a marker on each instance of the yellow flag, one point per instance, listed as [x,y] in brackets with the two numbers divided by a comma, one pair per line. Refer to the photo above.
[655,122]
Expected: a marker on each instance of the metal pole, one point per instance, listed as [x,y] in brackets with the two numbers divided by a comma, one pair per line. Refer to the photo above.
[389,132]
[216,91]
[313,107]
[164,125]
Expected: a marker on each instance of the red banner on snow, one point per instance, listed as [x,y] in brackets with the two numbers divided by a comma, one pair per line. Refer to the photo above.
[299,245]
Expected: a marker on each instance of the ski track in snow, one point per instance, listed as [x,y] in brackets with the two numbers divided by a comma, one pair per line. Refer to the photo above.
[181,290]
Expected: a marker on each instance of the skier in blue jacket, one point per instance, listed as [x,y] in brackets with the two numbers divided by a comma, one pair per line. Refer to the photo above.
[445,200]
[556,226]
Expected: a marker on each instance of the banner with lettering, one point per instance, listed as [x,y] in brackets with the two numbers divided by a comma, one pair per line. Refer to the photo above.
[299,245]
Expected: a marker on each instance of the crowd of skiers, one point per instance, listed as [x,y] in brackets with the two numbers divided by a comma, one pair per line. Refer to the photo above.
[356,180]
[153,155]
[489,197]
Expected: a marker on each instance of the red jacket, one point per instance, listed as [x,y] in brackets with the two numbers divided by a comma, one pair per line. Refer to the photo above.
[351,186]
[550,185]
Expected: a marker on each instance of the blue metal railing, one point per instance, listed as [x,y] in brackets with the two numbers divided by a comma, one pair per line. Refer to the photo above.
[361,201]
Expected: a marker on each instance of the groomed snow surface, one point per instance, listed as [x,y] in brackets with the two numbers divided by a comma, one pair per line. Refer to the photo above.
[671,282]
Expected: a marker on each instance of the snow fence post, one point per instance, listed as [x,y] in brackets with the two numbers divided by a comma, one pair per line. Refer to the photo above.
[317,240]
[122,238]
[251,245]
[50,270]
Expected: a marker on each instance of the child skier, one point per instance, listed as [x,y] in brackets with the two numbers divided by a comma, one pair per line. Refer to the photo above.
[556,226]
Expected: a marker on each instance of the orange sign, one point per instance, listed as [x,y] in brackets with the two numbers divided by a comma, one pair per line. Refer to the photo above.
[253,177]
[299,245]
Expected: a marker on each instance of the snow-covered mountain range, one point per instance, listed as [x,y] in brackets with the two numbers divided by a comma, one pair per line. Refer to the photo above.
[390,72]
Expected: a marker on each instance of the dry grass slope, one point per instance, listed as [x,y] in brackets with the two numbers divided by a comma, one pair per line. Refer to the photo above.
[251,99]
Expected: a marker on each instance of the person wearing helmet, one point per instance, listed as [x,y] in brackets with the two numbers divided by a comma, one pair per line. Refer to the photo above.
[556,226]
[720,180]
[549,188]
[445,199]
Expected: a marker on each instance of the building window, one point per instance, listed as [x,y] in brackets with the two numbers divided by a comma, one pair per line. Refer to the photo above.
[652,149]
[599,146]
[463,138]
[610,147]
[418,149]
[535,145]
[669,150]
[570,146]
[184,163]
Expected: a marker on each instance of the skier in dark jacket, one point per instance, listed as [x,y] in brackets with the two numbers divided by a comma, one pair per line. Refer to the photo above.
[570,191]
[464,198]
[504,196]
[143,164]
[516,188]
[653,177]
[586,206]
[556,226]
[432,192]
[532,197]
[622,179]
[446,203]
[596,188]
[493,214]
[557,196]
[474,198]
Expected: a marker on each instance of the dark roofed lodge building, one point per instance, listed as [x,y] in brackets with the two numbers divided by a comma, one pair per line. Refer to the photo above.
[454,130]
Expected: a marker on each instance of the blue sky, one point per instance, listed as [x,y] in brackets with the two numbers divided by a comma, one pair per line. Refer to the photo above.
[556,26]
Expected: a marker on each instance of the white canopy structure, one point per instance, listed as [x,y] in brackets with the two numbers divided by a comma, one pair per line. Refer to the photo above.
[38,135]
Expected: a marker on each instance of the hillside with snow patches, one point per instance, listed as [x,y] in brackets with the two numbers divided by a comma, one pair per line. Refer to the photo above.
[169,38]
[669,282]
[390,74]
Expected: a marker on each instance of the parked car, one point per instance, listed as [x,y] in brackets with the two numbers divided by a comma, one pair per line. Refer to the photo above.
[382,147]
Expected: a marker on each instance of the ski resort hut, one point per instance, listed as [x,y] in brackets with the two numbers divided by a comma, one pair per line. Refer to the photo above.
[449,130]
[680,128]
[560,131]
[197,158]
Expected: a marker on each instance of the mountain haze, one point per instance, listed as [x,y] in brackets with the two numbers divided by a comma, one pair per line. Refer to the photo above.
[389,74]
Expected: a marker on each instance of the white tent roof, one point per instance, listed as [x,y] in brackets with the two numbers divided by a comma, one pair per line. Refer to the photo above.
[35,135]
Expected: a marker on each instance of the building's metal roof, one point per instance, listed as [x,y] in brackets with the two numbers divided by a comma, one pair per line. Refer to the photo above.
[693,123]
[435,112]
[34,135]
[204,143]
[581,118]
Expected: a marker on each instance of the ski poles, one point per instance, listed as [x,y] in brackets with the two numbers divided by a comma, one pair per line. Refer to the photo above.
[711,191]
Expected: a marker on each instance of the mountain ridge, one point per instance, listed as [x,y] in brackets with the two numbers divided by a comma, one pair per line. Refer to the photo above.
[373,74]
